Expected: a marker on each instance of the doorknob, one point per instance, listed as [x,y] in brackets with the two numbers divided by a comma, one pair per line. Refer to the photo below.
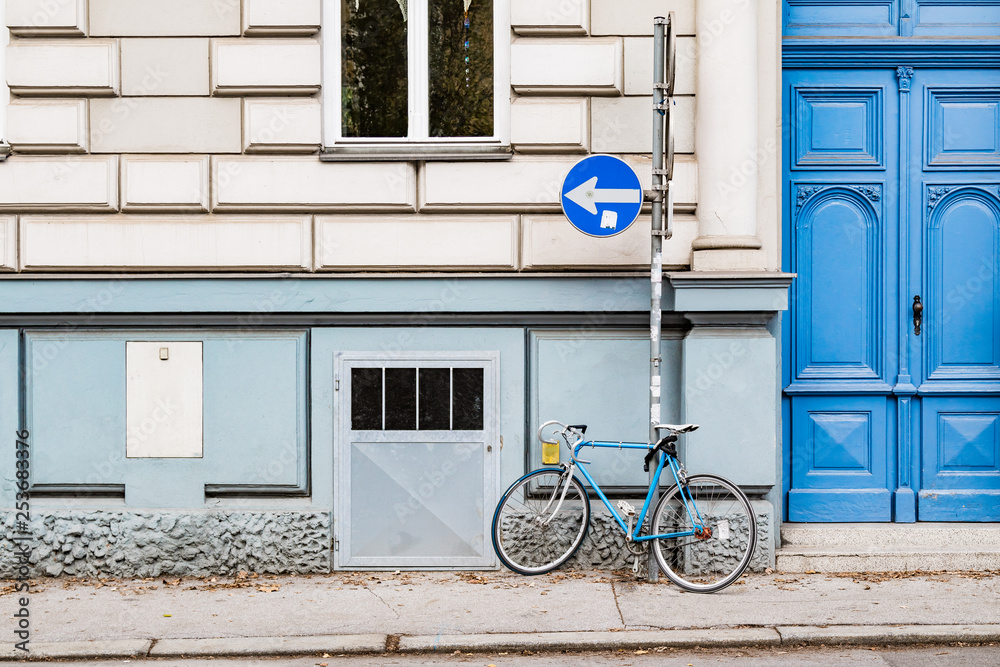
[918,309]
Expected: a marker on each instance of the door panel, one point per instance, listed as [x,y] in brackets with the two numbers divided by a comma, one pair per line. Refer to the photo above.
[838,127]
[961,128]
[419,503]
[841,156]
[955,217]
[838,310]
[962,314]
[840,463]
[961,455]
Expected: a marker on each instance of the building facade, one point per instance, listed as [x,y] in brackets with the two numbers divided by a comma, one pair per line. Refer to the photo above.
[287,286]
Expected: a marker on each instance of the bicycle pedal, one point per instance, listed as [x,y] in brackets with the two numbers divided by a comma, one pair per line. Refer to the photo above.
[625,508]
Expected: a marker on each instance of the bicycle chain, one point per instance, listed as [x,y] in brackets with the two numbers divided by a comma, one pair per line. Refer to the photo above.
[637,548]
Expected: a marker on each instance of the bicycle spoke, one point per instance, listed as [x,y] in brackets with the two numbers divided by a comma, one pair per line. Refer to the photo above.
[724,539]
[533,532]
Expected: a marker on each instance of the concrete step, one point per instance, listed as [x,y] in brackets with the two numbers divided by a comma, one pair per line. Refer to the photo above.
[936,536]
[886,547]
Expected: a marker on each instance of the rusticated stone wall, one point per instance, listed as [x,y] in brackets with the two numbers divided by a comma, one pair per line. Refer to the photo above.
[152,544]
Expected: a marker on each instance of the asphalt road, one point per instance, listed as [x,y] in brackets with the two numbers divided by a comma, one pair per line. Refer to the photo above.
[930,656]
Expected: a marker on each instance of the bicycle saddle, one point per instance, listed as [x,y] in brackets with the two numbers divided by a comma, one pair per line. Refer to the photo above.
[678,428]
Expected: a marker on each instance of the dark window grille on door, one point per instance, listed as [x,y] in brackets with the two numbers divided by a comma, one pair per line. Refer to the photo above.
[417,399]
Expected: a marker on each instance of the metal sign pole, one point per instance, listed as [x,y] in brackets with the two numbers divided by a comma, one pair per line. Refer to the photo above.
[656,257]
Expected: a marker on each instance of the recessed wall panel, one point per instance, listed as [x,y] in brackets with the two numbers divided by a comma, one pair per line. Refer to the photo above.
[846,19]
[837,128]
[962,129]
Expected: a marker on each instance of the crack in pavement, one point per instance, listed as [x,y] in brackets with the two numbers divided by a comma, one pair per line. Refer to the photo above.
[379,598]
[614,592]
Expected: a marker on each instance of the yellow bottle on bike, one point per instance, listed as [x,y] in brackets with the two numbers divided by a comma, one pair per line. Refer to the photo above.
[550,452]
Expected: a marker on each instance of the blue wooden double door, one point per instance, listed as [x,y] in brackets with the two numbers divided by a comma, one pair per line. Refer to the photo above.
[892,223]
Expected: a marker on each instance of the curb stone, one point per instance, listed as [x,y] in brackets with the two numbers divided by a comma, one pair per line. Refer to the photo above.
[888,634]
[878,635]
[106,648]
[174,648]
[584,641]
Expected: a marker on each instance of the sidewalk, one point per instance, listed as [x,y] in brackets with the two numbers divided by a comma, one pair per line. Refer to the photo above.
[494,611]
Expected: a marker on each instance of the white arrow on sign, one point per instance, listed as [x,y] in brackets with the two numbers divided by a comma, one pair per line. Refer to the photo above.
[587,196]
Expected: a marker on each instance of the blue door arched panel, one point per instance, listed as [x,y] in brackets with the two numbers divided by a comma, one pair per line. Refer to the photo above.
[962,286]
[838,244]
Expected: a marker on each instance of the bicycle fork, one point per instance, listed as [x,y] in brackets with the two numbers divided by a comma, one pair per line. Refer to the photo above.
[568,474]
[701,530]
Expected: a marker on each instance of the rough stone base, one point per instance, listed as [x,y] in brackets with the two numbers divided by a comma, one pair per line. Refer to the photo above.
[604,546]
[153,544]
[215,542]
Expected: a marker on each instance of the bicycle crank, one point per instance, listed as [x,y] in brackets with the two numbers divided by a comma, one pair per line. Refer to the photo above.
[639,551]
[637,548]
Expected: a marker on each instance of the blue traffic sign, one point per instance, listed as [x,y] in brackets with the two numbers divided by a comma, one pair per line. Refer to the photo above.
[601,195]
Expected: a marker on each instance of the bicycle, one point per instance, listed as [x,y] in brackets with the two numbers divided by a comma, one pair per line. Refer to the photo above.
[703,530]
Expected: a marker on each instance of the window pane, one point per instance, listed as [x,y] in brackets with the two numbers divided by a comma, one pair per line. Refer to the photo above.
[401,399]
[373,68]
[461,68]
[366,399]
[468,399]
[435,399]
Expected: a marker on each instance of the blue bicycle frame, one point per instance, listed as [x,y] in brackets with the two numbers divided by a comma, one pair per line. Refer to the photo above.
[675,470]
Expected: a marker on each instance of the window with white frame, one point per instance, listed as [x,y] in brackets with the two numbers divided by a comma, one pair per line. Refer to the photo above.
[416,75]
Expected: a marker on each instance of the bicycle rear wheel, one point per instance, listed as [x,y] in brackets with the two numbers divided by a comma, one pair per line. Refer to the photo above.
[535,528]
[725,534]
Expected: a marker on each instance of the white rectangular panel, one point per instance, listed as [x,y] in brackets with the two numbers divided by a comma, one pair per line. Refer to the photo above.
[163,401]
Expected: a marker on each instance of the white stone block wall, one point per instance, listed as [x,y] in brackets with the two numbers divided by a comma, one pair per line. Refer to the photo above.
[122,111]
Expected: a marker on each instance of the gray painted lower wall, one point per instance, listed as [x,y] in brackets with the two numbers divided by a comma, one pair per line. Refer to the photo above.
[721,370]
[152,544]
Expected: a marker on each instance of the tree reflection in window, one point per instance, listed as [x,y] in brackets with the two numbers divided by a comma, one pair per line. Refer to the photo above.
[373,68]
[456,100]
[461,68]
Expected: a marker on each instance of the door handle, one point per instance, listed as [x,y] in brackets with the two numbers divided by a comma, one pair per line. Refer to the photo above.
[918,310]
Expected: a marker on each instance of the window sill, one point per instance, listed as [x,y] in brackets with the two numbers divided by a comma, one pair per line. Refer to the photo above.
[416,153]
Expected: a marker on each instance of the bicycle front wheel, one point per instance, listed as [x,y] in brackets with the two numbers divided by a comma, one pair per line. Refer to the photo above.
[536,528]
[724,539]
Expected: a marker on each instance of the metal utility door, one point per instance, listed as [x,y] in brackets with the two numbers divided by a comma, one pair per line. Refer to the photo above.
[893,220]
[416,462]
